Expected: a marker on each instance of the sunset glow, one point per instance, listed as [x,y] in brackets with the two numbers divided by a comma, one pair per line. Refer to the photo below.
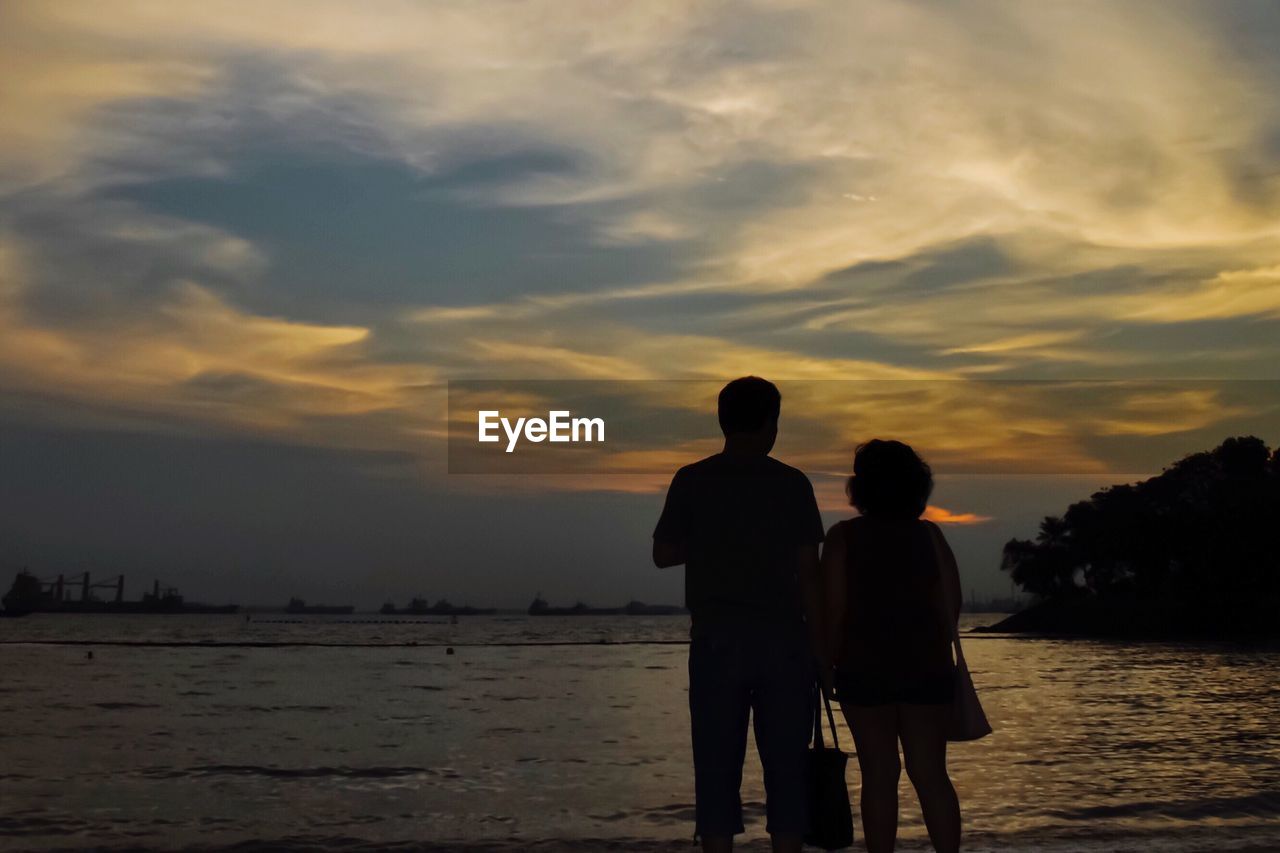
[296,223]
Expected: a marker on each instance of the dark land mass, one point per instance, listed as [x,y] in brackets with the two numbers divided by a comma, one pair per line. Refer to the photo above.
[1191,553]
[420,607]
[297,605]
[1135,620]
[539,607]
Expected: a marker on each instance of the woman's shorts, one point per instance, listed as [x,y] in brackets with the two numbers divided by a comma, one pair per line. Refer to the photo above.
[868,689]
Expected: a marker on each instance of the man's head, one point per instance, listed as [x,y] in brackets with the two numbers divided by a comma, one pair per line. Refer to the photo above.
[749,409]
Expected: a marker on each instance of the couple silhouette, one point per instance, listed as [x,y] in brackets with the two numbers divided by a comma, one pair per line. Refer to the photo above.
[870,619]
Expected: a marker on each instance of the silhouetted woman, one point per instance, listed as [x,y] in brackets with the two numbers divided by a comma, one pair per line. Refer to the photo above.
[892,605]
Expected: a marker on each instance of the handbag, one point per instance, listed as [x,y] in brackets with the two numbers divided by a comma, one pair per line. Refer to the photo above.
[967,720]
[830,817]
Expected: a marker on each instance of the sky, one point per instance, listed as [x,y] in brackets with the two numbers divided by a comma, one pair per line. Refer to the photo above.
[244,248]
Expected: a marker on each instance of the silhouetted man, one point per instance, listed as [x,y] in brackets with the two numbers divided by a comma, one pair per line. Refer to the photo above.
[747,529]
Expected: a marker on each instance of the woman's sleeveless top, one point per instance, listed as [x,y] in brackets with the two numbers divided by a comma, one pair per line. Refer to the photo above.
[895,624]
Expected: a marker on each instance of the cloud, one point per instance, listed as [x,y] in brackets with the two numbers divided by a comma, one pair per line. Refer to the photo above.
[293,216]
[941,515]
[270,225]
[197,360]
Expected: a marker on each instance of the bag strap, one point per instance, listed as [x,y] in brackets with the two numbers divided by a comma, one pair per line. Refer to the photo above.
[948,609]
[817,722]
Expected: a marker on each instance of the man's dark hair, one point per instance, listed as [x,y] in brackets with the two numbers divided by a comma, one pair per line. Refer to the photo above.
[889,478]
[747,404]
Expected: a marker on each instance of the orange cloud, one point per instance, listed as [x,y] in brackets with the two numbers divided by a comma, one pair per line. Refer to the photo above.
[941,515]
[832,499]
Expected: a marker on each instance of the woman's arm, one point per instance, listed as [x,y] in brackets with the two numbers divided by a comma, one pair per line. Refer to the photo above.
[834,589]
[950,575]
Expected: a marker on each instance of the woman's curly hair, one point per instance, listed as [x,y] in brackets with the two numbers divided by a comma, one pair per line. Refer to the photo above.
[889,478]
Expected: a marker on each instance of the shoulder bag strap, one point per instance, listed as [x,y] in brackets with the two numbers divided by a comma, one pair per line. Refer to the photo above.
[947,605]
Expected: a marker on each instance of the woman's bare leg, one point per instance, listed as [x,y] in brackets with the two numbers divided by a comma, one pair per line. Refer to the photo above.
[924,748]
[875,735]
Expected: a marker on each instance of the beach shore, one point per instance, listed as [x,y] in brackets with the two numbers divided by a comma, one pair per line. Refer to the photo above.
[1196,841]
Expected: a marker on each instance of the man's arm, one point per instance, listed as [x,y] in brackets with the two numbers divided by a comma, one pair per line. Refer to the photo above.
[808,532]
[811,594]
[834,588]
[672,531]
[668,554]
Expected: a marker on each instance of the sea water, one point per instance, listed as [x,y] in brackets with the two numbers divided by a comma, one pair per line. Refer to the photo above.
[571,733]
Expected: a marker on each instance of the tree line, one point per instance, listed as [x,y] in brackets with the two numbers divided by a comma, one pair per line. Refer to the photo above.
[1203,534]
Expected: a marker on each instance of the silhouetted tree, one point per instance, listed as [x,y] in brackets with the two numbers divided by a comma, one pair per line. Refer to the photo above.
[1205,532]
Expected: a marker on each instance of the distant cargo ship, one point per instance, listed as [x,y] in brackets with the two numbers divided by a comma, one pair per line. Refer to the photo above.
[539,607]
[420,607]
[30,594]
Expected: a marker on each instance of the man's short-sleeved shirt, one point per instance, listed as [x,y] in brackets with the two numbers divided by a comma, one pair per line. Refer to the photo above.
[741,521]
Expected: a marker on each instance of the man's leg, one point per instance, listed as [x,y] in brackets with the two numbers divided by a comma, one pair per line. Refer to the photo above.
[719,709]
[783,702]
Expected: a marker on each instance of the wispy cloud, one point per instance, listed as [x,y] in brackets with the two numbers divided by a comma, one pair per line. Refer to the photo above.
[293,216]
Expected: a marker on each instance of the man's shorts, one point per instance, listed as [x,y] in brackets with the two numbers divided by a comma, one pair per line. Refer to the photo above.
[735,672]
